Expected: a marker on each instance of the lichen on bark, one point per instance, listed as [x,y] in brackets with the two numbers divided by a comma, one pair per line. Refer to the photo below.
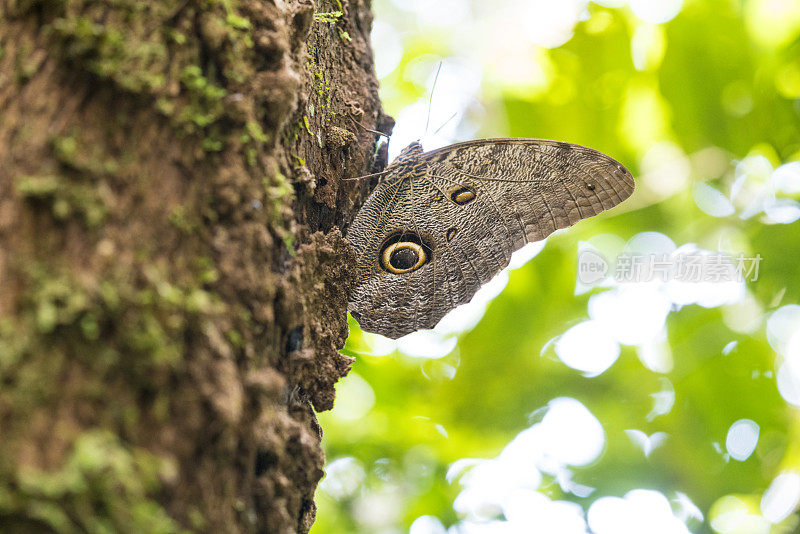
[174,280]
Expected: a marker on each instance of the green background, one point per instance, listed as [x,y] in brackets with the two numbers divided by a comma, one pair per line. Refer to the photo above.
[708,98]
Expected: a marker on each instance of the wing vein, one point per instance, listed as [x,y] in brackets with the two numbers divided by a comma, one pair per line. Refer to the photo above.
[498,267]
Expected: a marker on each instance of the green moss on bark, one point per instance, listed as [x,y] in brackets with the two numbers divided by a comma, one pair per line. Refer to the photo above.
[103,486]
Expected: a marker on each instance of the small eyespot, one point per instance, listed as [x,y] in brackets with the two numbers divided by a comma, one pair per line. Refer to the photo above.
[403,257]
[462,195]
[451,233]
[590,186]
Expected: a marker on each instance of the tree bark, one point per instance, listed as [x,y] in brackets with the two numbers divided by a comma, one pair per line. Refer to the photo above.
[174,282]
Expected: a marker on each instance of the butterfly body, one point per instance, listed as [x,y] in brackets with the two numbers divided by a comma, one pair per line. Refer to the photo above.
[442,223]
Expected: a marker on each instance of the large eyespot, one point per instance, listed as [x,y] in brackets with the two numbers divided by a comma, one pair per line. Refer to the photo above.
[404,253]
[462,195]
[403,257]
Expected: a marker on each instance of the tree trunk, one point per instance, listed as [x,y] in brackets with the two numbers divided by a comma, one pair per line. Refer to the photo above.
[174,284]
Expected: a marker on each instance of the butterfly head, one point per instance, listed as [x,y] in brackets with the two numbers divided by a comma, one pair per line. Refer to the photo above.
[409,154]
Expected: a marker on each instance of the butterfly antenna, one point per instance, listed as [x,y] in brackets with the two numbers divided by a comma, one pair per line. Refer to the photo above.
[430,98]
[373,175]
[439,129]
[368,129]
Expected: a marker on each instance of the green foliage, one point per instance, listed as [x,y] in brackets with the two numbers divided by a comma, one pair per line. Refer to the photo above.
[718,92]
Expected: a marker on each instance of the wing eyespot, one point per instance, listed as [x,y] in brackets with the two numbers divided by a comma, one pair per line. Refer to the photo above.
[451,233]
[404,253]
[462,195]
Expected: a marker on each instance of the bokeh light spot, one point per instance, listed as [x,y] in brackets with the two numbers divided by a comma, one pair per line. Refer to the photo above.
[571,434]
[524,508]
[639,511]
[656,11]
[732,515]
[786,178]
[587,347]
[712,201]
[550,24]
[666,168]
[781,211]
[427,524]
[648,45]
[742,439]
[781,498]
[633,314]
[387,46]
[426,344]
[773,23]
[354,398]
[343,477]
[782,323]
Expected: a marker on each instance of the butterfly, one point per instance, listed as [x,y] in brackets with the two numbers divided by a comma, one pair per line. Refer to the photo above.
[442,223]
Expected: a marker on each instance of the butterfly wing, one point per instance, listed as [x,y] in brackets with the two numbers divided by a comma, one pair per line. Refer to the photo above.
[533,184]
[394,304]
[467,207]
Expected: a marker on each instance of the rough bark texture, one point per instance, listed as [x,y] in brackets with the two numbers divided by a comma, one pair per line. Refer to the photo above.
[173,281]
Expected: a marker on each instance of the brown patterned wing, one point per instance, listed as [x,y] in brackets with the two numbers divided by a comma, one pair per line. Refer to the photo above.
[532,187]
[390,300]
[440,226]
